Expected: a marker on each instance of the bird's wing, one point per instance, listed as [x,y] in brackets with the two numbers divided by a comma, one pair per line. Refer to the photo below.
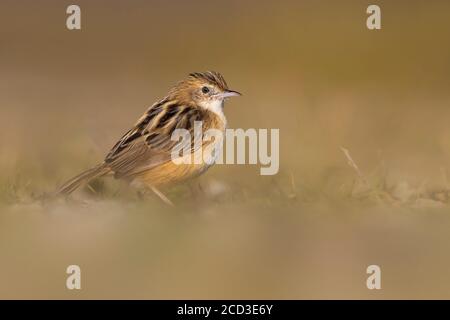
[148,144]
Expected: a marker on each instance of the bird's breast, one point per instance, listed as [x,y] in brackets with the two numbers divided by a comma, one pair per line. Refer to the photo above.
[195,163]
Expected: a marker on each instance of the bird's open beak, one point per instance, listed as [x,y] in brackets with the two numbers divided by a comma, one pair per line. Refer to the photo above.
[229,93]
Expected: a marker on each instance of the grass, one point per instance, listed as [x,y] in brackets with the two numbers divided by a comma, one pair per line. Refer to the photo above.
[374,188]
[232,234]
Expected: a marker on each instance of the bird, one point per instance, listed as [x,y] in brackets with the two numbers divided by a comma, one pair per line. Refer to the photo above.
[143,155]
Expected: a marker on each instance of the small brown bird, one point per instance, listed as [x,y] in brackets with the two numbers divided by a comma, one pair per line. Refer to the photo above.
[144,154]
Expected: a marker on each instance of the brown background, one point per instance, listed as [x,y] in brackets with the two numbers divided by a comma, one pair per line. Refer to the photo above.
[311,69]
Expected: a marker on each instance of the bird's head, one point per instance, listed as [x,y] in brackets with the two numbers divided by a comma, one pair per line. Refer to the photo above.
[206,89]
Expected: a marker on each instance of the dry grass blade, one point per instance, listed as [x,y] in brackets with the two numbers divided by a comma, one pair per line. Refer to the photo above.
[373,191]
[352,164]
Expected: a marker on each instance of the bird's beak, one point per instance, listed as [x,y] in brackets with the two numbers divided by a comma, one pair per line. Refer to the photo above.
[229,93]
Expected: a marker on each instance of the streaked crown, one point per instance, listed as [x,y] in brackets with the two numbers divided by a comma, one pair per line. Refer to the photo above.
[214,78]
[201,89]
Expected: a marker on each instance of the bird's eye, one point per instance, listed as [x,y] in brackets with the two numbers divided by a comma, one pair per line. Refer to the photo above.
[205,90]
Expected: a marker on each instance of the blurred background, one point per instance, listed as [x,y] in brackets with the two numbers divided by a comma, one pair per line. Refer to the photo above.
[311,69]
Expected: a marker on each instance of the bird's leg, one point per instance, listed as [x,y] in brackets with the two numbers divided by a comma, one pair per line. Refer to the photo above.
[143,188]
[162,196]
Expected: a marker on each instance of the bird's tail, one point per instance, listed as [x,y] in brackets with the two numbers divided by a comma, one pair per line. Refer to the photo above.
[82,179]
